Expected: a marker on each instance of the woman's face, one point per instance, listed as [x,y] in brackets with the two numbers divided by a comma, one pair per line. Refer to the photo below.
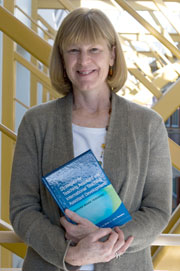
[87,65]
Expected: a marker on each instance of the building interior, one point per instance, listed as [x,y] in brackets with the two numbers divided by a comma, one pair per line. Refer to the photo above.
[149,32]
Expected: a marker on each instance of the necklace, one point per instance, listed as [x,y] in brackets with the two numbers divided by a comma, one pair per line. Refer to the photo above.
[103,145]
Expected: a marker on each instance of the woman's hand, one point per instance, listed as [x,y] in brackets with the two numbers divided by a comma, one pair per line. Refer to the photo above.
[78,231]
[92,249]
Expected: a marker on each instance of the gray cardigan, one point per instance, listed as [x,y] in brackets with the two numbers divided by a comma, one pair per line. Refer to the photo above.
[136,160]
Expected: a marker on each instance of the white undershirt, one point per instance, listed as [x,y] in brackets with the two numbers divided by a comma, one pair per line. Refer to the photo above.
[85,138]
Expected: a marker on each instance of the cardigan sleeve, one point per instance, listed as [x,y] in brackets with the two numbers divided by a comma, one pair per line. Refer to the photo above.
[155,209]
[26,215]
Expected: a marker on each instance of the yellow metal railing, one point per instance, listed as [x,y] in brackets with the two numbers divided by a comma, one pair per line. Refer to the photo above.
[7,132]
[168,255]
[10,241]
[41,76]
[126,6]
[50,36]
[9,237]
[24,36]
[162,240]
[167,240]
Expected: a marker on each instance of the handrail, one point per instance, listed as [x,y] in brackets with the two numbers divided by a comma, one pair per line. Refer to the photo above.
[162,240]
[171,228]
[4,226]
[167,240]
[9,237]
[10,240]
[34,22]
[21,103]
[23,35]
[8,132]
[48,26]
[20,269]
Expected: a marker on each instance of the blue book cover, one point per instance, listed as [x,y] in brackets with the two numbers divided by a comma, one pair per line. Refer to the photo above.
[82,186]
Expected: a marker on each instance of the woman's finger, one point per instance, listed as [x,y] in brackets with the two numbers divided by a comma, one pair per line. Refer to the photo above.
[64,222]
[120,242]
[120,233]
[127,244]
[112,240]
[100,233]
[74,217]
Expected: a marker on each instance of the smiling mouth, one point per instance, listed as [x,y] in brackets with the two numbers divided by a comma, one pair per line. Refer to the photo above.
[84,73]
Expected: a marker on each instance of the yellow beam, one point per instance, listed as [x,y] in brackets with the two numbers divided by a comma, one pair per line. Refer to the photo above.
[33,63]
[56,4]
[143,5]
[24,36]
[169,102]
[147,83]
[44,89]
[17,248]
[49,4]
[7,148]
[174,50]
[67,4]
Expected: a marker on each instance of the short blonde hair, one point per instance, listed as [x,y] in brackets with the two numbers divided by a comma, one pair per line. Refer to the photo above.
[83,25]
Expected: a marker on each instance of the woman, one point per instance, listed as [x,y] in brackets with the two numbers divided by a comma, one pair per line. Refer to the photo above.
[130,141]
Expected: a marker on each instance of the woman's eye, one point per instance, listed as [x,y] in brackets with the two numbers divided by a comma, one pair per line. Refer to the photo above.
[73,51]
[94,50]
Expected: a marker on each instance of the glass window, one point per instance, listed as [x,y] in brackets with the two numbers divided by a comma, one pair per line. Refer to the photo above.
[175,119]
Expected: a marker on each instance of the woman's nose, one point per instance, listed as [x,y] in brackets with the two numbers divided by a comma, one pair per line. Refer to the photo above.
[83,58]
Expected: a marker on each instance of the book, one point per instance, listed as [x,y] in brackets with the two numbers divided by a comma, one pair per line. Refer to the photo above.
[82,186]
